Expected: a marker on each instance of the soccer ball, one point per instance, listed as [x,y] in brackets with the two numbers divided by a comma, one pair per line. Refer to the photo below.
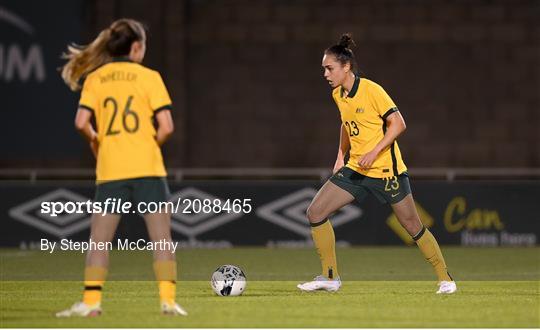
[228,280]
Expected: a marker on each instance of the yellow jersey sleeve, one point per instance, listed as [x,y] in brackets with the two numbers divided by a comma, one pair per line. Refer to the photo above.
[159,96]
[89,99]
[382,102]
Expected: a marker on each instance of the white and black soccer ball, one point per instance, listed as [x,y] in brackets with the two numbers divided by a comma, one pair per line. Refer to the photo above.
[228,280]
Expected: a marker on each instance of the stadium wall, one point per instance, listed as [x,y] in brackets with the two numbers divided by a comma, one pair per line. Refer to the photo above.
[458,213]
[247,85]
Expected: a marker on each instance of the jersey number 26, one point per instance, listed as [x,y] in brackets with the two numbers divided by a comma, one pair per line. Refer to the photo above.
[130,126]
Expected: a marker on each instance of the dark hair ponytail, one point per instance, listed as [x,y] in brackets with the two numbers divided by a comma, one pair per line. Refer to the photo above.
[346,41]
[343,52]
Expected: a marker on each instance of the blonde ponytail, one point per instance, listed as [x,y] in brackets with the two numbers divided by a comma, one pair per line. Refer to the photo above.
[112,42]
[84,59]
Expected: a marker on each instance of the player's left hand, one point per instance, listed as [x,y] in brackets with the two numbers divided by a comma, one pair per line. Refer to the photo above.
[367,160]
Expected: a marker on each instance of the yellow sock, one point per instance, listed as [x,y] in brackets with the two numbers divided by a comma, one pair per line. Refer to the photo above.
[94,278]
[431,251]
[165,271]
[325,242]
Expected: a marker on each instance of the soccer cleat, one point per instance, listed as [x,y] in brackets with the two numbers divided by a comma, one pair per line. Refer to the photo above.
[321,283]
[447,287]
[167,309]
[81,309]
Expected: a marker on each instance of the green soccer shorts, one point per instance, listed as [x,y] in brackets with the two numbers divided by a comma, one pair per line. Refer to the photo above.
[387,190]
[138,190]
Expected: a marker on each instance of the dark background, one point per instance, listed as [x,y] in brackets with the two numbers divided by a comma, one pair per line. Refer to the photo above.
[248,90]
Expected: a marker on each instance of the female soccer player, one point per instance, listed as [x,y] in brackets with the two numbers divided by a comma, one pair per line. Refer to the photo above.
[124,97]
[370,125]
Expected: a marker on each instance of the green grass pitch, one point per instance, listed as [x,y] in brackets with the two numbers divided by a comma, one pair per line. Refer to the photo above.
[382,287]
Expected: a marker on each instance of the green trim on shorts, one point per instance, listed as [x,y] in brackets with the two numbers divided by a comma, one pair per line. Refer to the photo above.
[387,190]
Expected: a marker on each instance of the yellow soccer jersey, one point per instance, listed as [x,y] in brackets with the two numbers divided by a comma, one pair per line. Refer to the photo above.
[124,96]
[363,113]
